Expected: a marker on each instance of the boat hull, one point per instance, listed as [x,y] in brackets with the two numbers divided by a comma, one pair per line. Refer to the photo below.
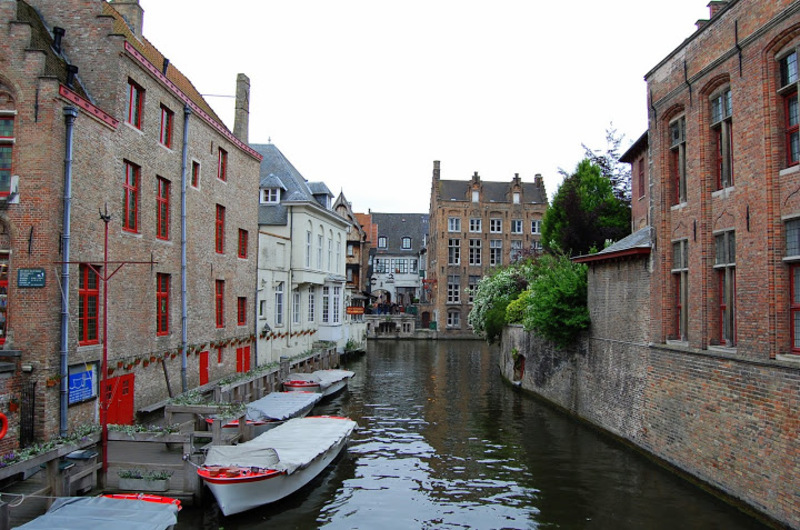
[236,496]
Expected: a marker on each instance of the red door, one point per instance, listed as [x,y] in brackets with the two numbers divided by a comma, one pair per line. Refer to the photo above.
[203,367]
[243,359]
[119,396]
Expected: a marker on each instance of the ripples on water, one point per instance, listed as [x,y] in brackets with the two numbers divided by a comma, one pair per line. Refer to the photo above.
[443,443]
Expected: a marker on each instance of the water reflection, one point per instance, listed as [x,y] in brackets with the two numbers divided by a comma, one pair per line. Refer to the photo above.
[443,443]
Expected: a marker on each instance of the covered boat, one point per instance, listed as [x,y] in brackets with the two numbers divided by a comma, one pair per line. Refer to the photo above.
[275,464]
[326,382]
[80,513]
[274,408]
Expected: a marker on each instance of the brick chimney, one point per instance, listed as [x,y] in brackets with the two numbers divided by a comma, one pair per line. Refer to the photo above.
[241,117]
[435,170]
[133,14]
[715,6]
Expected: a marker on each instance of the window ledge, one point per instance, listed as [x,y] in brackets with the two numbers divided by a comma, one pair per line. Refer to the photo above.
[791,170]
[724,193]
[681,343]
[791,360]
[723,349]
[679,206]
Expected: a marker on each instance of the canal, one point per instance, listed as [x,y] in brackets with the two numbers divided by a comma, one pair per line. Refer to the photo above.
[444,443]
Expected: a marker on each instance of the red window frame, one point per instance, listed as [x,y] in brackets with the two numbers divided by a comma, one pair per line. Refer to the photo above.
[641,177]
[219,303]
[675,162]
[135,103]
[794,305]
[7,161]
[162,304]
[243,237]
[195,174]
[88,299]
[165,133]
[222,165]
[678,307]
[219,355]
[130,217]
[162,209]
[791,129]
[241,311]
[219,232]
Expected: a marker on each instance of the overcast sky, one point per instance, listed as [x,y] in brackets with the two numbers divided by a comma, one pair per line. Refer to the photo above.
[365,94]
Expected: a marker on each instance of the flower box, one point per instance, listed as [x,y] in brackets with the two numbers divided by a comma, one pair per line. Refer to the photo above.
[143,484]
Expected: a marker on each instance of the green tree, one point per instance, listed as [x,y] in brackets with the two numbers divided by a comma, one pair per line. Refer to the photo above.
[619,173]
[585,213]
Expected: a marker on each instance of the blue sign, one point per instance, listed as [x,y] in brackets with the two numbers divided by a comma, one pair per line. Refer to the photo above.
[81,383]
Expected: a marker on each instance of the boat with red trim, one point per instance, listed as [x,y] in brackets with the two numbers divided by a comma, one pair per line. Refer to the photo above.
[275,464]
[273,409]
[326,382]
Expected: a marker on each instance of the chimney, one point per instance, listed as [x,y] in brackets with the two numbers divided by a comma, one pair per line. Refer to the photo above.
[133,14]
[164,66]
[476,178]
[516,180]
[58,34]
[436,170]
[715,6]
[241,118]
[700,23]
[72,70]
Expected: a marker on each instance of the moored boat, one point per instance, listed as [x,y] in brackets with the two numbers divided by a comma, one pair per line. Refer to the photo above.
[326,382]
[275,464]
[274,408]
[79,513]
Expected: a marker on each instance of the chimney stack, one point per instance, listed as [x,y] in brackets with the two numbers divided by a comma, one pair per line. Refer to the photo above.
[241,118]
[72,71]
[58,34]
[715,6]
[133,14]
[435,170]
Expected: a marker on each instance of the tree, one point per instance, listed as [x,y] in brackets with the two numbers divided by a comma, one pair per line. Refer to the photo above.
[585,213]
[617,172]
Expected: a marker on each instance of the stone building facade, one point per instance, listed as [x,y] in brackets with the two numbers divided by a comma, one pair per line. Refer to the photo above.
[80,83]
[475,226]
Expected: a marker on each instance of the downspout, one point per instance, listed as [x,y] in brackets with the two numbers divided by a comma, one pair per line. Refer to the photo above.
[187,111]
[70,113]
[291,278]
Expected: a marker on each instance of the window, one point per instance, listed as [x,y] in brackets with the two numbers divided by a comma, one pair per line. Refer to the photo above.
[680,274]
[454,224]
[495,252]
[677,134]
[453,319]
[162,304]
[130,214]
[536,226]
[241,311]
[476,195]
[725,265]
[195,174]
[516,226]
[165,133]
[6,151]
[319,251]
[495,226]
[516,197]
[262,309]
[295,306]
[312,317]
[337,296]
[270,195]
[135,104]
[88,304]
[791,110]
[326,300]
[722,130]
[412,265]
[516,250]
[400,266]
[219,233]
[279,304]
[475,225]
[382,242]
[219,355]
[381,266]
[454,289]
[338,266]
[793,252]
[641,177]
[350,250]
[453,251]
[162,209]
[222,165]
[308,248]
[4,262]
[330,254]
[406,243]
[475,252]
[243,237]
[472,286]
[219,303]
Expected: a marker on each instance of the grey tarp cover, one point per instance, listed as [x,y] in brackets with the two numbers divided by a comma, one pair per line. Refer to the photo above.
[82,513]
[325,378]
[287,447]
[281,405]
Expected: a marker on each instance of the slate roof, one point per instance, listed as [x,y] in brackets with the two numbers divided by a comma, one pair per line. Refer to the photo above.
[278,172]
[396,226]
[638,242]
[459,190]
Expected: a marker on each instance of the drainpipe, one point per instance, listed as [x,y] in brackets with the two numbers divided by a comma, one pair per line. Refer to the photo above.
[70,113]
[187,111]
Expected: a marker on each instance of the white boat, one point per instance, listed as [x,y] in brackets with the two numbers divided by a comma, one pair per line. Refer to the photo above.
[79,513]
[275,464]
[274,408]
[326,382]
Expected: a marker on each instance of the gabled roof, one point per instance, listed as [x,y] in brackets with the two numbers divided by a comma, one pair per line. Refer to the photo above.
[396,226]
[638,243]
[458,190]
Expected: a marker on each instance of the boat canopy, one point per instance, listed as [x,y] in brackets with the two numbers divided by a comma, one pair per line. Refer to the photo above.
[80,513]
[325,378]
[281,405]
[288,447]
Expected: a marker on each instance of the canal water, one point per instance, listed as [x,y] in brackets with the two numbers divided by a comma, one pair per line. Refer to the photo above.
[443,442]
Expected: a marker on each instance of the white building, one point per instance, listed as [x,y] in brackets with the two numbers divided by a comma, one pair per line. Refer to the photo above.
[301,262]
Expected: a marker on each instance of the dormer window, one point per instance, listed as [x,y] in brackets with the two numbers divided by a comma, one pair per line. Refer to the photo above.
[270,195]
[516,197]
[382,242]
[476,196]
[406,243]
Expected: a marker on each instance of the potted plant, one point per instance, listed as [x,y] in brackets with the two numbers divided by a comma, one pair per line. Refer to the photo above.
[13,405]
[144,479]
[53,381]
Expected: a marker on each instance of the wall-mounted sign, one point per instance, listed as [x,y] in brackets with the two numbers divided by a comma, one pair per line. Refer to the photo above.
[82,384]
[30,277]
[355,310]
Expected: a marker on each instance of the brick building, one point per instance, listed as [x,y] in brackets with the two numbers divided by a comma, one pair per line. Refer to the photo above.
[475,226]
[356,254]
[80,83]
